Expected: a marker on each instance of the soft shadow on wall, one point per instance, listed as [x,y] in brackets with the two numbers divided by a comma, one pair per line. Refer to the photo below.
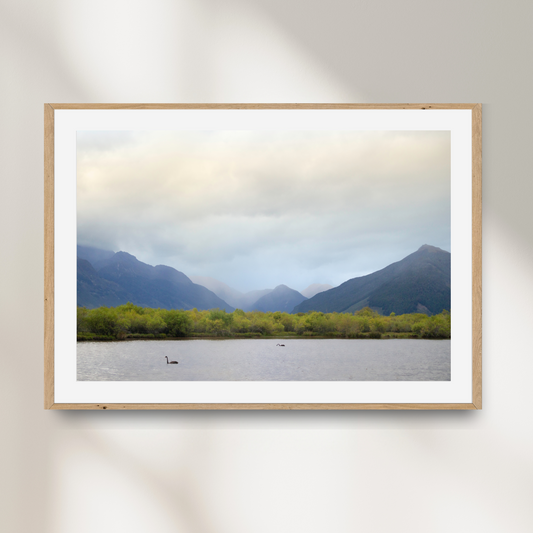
[285,480]
[192,51]
[113,52]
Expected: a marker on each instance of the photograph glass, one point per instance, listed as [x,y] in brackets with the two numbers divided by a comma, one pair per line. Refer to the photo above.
[253,255]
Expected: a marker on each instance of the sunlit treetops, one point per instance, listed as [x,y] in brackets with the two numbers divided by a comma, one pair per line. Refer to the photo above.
[131,321]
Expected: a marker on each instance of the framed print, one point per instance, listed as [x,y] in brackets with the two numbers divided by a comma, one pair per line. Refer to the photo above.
[265,256]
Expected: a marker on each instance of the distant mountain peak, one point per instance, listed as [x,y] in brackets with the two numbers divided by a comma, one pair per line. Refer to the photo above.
[282,298]
[124,255]
[430,248]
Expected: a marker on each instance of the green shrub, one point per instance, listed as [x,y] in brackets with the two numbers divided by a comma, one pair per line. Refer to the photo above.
[134,322]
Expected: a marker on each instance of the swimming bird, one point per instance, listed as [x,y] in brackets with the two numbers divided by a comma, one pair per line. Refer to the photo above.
[170,362]
[280,344]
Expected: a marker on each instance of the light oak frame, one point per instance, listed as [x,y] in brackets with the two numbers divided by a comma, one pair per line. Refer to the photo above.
[49,402]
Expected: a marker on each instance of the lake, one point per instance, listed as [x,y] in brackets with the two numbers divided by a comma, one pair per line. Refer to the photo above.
[261,360]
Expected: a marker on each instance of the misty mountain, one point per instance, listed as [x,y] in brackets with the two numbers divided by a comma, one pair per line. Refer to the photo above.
[250,298]
[237,299]
[95,256]
[121,278]
[282,298]
[421,282]
[315,288]
[221,289]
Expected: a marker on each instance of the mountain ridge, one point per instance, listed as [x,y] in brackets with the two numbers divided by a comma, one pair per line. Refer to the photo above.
[282,298]
[420,281]
[122,278]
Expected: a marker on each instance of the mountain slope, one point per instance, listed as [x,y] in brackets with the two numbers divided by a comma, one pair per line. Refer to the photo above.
[249,299]
[227,293]
[315,288]
[418,283]
[282,298]
[94,291]
[122,278]
[95,256]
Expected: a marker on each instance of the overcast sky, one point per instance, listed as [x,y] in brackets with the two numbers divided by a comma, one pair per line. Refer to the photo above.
[257,209]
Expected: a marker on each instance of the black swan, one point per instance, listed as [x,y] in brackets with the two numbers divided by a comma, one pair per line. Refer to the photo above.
[171,362]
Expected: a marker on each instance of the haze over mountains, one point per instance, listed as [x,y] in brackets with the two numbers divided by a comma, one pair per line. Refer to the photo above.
[315,288]
[282,298]
[418,283]
[238,299]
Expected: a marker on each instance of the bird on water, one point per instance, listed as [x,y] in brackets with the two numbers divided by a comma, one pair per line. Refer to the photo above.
[280,344]
[170,362]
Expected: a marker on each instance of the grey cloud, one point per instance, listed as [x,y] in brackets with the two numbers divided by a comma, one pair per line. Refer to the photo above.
[256,209]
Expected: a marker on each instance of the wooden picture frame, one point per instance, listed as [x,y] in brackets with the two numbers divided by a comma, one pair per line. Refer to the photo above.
[60,140]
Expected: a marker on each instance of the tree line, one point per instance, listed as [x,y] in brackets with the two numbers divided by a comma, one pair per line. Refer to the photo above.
[132,321]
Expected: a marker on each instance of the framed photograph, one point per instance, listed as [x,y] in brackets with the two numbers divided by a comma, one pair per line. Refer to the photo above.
[265,256]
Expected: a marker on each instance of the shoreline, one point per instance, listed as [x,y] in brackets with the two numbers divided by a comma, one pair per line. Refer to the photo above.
[101,338]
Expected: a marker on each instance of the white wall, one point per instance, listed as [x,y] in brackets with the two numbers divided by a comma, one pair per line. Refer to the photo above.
[203,472]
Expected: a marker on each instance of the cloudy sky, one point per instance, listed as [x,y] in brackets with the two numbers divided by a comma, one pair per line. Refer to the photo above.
[255,209]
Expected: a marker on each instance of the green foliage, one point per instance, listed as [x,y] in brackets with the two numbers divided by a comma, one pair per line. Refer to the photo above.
[130,321]
[377,325]
[82,325]
[366,312]
[178,323]
[102,321]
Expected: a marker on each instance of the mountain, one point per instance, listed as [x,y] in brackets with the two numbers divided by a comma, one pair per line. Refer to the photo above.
[315,288]
[95,256]
[237,299]
[418,283]
[227,293]
[250,298]
[121,278]
[94,291]
[421,282]
[282,298]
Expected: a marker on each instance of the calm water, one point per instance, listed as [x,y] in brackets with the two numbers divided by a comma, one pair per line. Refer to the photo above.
[262,360]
